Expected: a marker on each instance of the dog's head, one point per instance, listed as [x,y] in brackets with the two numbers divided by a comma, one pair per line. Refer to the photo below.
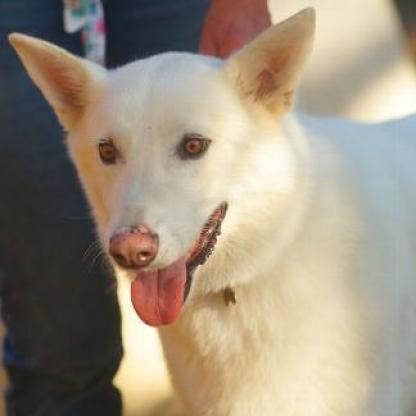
[174,149]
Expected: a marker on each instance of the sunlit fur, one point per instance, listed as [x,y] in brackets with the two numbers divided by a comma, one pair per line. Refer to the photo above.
[319,242]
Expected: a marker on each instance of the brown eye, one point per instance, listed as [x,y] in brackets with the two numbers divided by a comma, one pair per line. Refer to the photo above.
[193,146]
[108,152]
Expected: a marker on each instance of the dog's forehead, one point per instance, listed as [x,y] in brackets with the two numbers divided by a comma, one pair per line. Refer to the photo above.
[170,76]
[169,88]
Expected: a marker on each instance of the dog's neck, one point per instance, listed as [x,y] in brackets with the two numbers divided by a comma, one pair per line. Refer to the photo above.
[246,260]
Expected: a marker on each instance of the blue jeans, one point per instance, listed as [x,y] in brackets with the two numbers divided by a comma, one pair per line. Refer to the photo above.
[63,342]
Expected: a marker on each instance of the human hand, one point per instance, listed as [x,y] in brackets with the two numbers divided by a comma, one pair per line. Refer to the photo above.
[230,24]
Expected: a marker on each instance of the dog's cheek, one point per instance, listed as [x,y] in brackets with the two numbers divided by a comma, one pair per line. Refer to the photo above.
[91,178]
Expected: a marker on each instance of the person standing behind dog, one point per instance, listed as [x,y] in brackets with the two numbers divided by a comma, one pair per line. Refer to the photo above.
[63,343]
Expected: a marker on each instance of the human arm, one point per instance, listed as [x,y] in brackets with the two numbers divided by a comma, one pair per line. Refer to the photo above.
[230,24]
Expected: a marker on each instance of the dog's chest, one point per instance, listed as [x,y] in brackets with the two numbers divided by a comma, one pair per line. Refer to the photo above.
[221,349]
[247,354]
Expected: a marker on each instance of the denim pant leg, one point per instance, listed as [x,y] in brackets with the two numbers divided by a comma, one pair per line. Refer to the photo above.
[63,331]
[140,28]
[59,305]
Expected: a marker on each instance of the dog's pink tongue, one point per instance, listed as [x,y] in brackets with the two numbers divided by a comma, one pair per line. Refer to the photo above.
[158,295]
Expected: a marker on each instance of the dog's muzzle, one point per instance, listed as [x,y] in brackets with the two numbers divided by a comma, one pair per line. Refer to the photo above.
[159,294]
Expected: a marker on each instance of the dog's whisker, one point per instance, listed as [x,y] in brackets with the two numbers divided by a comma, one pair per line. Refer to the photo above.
[98,259]
[93,253]
[78,218]
[112,287]
[92,247]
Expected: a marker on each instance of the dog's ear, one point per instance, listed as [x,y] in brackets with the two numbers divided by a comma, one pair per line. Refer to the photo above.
[267,70]
[66,81]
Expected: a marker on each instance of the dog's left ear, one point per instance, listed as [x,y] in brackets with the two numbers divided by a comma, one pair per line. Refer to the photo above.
[66,81]
[267,70]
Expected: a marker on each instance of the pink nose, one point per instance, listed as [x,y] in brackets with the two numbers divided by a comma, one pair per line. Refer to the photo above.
[134,247]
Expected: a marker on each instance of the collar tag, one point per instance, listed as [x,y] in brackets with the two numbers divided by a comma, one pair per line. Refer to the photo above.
[229,296]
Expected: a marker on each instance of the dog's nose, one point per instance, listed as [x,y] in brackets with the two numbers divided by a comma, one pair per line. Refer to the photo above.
[134,247]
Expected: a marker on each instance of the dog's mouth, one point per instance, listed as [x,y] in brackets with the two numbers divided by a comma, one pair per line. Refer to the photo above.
[205,245]
[158,295]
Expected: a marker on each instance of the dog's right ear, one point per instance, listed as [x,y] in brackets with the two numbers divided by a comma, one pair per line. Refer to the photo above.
[267,70]
[66,81]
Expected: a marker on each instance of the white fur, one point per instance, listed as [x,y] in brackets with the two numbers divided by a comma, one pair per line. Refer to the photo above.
[319,242]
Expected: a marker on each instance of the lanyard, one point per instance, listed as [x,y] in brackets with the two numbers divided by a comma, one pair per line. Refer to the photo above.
[87,16]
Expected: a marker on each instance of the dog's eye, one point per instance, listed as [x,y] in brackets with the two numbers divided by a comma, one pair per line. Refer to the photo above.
[193,146]
[108,152]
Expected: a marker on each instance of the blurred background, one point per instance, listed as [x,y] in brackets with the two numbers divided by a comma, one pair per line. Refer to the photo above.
[364,67]
[361,66]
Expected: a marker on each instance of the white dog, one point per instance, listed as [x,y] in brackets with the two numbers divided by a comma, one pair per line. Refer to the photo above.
[306,304]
